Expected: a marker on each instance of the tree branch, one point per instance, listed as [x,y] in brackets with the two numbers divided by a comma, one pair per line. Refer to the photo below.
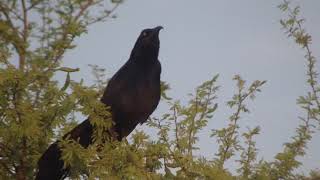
[22,55]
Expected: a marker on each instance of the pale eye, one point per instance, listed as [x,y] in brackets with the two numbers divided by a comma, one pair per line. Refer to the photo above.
[144,34]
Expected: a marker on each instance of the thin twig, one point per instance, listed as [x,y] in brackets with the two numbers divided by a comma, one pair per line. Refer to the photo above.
[22,55]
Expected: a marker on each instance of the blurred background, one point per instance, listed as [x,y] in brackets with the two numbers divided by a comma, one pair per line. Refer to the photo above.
[204,38]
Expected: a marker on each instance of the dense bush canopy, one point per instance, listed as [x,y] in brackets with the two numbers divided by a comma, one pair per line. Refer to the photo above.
[36,109]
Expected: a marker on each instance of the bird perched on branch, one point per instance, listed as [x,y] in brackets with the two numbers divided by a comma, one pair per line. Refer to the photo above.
[132,94]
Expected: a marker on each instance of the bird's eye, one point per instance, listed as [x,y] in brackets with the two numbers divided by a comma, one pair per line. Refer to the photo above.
[144,34]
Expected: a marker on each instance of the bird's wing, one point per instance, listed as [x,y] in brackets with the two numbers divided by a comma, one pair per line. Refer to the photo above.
[117,85]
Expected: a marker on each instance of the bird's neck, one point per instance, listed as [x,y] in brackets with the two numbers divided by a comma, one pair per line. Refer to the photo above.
[145,58]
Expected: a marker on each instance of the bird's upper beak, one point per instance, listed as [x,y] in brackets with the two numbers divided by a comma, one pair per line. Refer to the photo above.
[157,29]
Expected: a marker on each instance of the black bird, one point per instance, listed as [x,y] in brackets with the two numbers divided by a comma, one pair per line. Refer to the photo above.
[132,94]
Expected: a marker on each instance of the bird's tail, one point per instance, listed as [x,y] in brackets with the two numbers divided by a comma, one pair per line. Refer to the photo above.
[50,165]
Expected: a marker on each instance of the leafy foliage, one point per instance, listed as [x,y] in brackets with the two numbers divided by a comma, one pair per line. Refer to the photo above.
[36,109]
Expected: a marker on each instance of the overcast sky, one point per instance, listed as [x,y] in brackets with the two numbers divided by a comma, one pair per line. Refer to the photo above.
[208,37]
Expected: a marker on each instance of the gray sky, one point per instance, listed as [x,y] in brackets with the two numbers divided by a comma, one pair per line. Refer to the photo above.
[203,38]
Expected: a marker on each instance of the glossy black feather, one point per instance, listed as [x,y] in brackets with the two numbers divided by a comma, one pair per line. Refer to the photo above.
[133,93]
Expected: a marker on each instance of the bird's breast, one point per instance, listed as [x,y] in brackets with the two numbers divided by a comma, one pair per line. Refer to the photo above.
[143,97]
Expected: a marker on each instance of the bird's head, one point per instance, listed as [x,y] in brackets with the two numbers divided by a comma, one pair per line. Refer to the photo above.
[148,44]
